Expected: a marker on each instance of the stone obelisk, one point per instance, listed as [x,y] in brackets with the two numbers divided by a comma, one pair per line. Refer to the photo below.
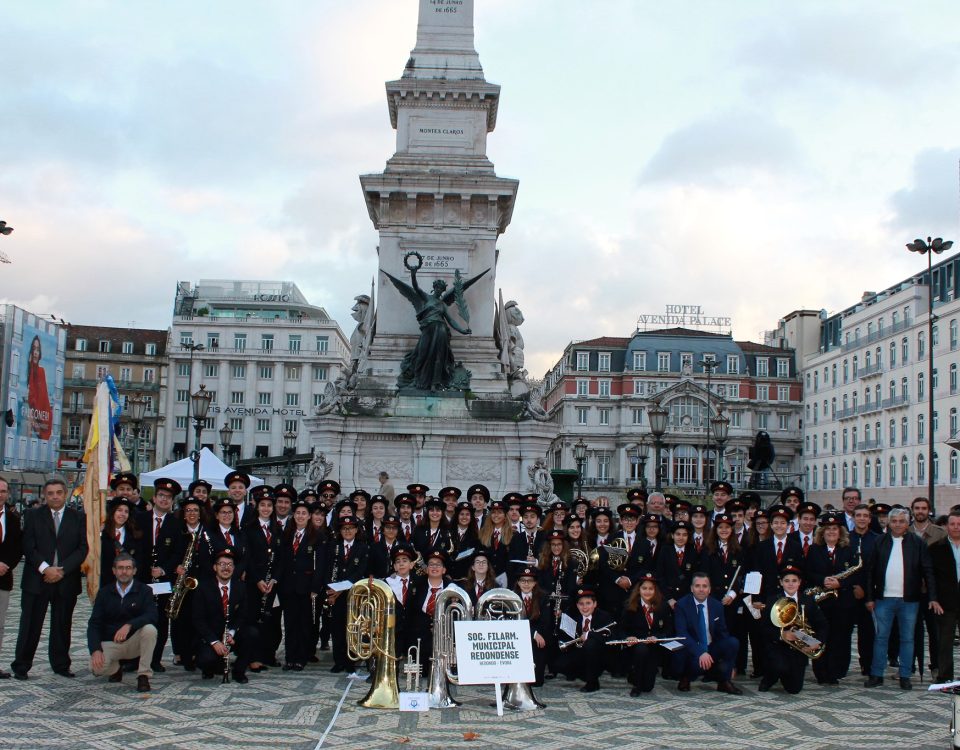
[438,194]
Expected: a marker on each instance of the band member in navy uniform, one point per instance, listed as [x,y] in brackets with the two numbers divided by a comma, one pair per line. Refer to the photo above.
[303,566]
[771,555]
[434,532]
[349,561]
[530,534]
[807,515]
[480,577]
[120,534]
[406,588]
[465,537]
[380,551]
[263,572]
[651,545]
[677,563]
[237,483]
[225,534]
[537,614]
[159,552]
[425,601]
[615,583]
[221,622]
[191,515]
[405,505]
[645,615]
[724,561]
[497,535]
[587,661]
[783,662]
[830,556]
[479,497]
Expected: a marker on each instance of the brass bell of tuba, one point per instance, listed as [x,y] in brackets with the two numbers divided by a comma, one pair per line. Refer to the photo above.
[453,603]
[504,604]
[371,633]
[786,614]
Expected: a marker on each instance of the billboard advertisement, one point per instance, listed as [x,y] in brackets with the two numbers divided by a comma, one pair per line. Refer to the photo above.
[31,375]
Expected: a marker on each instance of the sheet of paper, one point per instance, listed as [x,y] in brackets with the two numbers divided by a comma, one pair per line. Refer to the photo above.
[340,585]
[465,554]
[751,584]
[161,588]
[414,701]
[501,580]
[671,645]
[568,625]
[943,686]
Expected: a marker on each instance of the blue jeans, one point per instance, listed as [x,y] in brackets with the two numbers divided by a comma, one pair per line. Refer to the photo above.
[884,613]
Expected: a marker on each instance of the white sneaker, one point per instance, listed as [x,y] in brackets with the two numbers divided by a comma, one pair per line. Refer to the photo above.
[354,676]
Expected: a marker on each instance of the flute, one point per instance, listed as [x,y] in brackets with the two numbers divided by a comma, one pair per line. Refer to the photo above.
[628,642]
[580,639]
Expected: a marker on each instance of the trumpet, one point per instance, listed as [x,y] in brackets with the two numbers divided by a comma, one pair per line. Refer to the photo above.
[582,638]
[411,668]
[371,633]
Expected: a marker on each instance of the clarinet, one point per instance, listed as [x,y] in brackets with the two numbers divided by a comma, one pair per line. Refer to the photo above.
[557,596]
[266,580]
[327,606]
[226,656]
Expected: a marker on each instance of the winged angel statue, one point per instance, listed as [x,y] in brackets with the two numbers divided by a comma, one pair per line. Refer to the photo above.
[430,366]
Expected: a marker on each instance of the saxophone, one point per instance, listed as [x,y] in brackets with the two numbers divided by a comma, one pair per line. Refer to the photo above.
[184,582]
[820,594]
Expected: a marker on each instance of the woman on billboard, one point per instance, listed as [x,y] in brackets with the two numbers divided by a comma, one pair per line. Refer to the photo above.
[38,398]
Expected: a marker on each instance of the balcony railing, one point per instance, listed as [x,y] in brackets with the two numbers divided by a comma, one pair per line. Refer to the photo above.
[871,369]
[870,445]
[848,413]
[869,407]
[895,401]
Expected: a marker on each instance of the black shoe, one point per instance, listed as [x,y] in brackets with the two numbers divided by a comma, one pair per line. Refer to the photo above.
[297,667]
[64,673]
[189,666]
[143,684]
[272,663]
[158,667]
[325,646]
[905,683]
[729,688]
[116,676]
[590,687]
[336,669]
[765,686]
[551,675]
[207,675]
[872,681]
[20,675]
[314,659]
[241,678]
[4,675]
[684,685]
[635,692]
[287,667]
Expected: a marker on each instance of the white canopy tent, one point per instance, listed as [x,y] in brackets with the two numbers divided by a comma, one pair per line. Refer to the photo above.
[212,469]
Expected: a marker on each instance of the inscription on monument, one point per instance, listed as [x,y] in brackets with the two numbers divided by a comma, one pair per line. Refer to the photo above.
[428,131]
[446,6]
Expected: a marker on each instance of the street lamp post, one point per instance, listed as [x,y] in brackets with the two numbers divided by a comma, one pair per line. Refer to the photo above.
[638,459]
[201,405]
[708,365]
[190,411]
[721,430]
[226,438]
[289,448]
[658,427]
[928,248]
[137,405]
[580,456]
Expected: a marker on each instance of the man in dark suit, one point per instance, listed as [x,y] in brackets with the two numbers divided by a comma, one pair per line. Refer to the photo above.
[11,550]
[945,556]
[221,621]
[123,625]
[863,541]
[54,547]
[900,565]
[707,644]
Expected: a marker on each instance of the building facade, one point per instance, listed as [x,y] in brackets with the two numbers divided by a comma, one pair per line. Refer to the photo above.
[265,353]
[137,361]
[866,392]
[601,391]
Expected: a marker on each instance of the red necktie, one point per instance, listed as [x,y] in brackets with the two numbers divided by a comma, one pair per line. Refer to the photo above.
[586,625]
[403,594]
[432,601]
[830,554]
[806,546]
[117,535]
[653,548]
[228,538]
[496,538]
[779,552]
[723,550]
[406,532]
[376,533]
[1,529]
[680,559]
[346,552]
[629,545]
[266,531]
[697,542]
[556,567]
[649,617]
[528,605]
[296,542]
[224,599]
[156,529]
[480,588]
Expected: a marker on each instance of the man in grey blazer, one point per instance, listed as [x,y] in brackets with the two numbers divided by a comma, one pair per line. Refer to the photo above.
[54,547]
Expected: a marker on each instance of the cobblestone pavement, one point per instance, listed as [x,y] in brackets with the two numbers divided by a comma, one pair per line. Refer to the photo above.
[291,711]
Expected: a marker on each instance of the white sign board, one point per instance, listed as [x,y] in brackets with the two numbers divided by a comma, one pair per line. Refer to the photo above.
[490,652]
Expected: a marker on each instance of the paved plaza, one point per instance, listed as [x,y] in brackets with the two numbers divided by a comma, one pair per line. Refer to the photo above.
[292,711]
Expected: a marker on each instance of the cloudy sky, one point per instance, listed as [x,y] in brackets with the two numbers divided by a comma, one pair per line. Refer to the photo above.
[750,157]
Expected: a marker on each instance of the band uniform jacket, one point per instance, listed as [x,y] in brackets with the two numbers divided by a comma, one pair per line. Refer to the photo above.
[257,557]
[819,567]
[531,548]
[168,547]
[634,624]
[674,578]
[380,564]
[542,621]
[303,571]
[811,612]
[945,574]
[426,540]
[208,619]
[917,569]
[110,613]
[406,612]
[722,571]
[598,620]
[218,543]
[763,559]
[41,543]
[11,548]
[353,568]
[864,546]
[110,548]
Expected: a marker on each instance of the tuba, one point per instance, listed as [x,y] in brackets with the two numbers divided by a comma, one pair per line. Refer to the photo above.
[786,614]
[503,604]
[453,603]
[617,554]
[371,633]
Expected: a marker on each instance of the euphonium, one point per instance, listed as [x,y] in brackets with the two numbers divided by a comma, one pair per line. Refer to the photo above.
[819,593]
[617,554]
[184,582]
[453,603]
[503,604]
[786,614]
[371,633]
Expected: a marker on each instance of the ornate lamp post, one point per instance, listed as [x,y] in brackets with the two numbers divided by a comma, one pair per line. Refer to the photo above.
[658,427]
[928,248]
[721,430]
[580,456]
[201,405]
[639,454]
[289,448]
[226,438]
[708,366]
[137,405]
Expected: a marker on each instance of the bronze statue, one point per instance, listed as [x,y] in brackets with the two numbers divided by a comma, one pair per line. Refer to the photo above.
[430,366]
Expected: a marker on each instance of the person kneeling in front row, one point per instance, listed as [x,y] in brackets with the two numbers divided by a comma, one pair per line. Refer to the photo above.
[707,644]
[585,657]
[123,625]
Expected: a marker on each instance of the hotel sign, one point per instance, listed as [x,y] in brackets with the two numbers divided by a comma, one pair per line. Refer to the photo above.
[684,315]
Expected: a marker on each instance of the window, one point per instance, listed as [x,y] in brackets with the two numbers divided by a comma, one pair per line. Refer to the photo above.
[323,344]
[893,390]
[183,395]
[319,372]
[854,474]
[762,420]
[934,380]
[846,371]
[953,336]
[833,476]
[604,416]
[151,350]
[733,364]
[213,340]
[834,375]
[904,350]
[638,387]
[892,471]
[736,418]
[293,343]
[127,347]
[81,345]
[783,394]
[905,388]
[904,431]
[183,370]
[921,469]
[953,468]
[79,371]
[293,399]
[953,421]
[317,399]
[581,415]
[904,470]
[919,386]
[640,361]
[921,345]
[784,424]
[236,397]
[603,466]
[816,408]
[638,416]
[211,370]
[238,372]
[240,342]
[266,342]
[583,361]
[920,426]
[264,398]
[291,373]
[733,390]
[604,388]
[104,347]
[763,367]
[236,423]
[186,338]
[763,393]
[290,425]
[845,474]
[936,336]
[603,362]
[663,362]
[879,357]
[125,374]
[686,361]
[892,433]
[263,425]
[856,367]
[181,423]
[953,378]
[783,369]
[266,372]
[845,444]
[583,386]
[893,354]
